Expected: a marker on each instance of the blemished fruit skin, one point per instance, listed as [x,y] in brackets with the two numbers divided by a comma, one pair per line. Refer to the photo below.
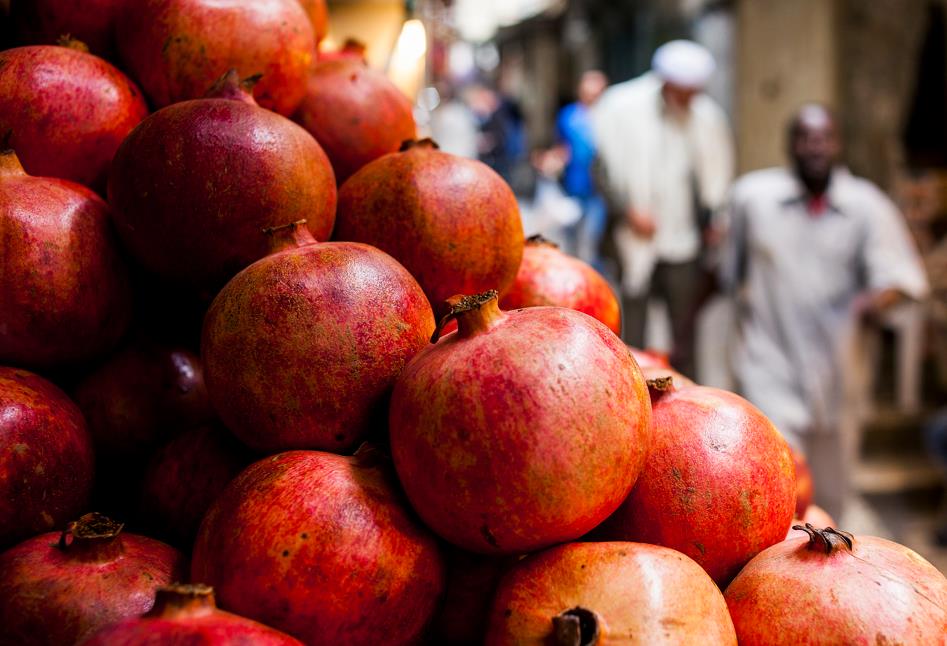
[322,547]
[46,461]
[54,592]
[186,615]
[521,430]
[301,349]
[637,594]
[195,185]
[66,111]
[719,484]
[184,478]
[355,113]
[548,276]
[452,222]
[864,590]
[64,290]
[45,22]
[176,49]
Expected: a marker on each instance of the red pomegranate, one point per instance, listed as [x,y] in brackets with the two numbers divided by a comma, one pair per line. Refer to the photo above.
[45,457]
[355,113]
[650,358]
[47,21]
[66,111]
[835,588]
[471,584]
[814,515]
[176,48]
[185,477]
[322,547]
[63,287]
[804,486]
[452,222]
[520,430]
[195,184]
[185,615]
[547,276]
[352,49]
[58,588]
[141,396]
[718,485]
[318,13]
[609,593]
[301,349]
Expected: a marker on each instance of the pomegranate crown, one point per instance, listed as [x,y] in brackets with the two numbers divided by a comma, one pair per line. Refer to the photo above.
[828,539]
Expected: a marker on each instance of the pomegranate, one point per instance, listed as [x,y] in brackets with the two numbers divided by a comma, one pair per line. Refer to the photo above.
[176,48]
[471,583]
[835,588]
[814,515]
[322,547]
[318,14]
[194,185]
[452,222]
[301,348]
[185,476]
[45,456]
[658,372]
[352,49]
[547,276]
[66,111]
[719,483]
[804,486]
[184,615]
[650,358]
[355,113]
[605,593]
[58,588]
[140,396]
[47,21]
[63,287]
[520,430]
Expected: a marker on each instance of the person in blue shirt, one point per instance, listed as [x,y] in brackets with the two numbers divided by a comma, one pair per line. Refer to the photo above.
[575,132]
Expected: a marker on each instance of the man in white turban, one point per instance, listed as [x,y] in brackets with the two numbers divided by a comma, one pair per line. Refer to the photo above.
[666,152]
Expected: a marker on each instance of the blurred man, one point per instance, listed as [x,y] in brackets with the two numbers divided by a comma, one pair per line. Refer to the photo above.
[575,131]
[667,155]
[812,251]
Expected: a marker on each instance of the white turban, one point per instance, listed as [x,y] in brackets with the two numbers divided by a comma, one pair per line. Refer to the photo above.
[683,63]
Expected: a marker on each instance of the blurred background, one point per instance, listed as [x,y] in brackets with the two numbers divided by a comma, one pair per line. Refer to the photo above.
[490,77]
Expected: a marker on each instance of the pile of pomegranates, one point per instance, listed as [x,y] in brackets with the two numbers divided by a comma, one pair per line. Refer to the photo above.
[326,391]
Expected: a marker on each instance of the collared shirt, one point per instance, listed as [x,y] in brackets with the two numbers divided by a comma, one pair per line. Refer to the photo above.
[653,162]
[796,273]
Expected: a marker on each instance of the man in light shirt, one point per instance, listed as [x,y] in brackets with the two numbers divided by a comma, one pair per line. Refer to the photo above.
[666,151]
[811,252]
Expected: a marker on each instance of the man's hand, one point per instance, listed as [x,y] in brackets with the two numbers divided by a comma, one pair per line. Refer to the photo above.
[641,223]
[871,305]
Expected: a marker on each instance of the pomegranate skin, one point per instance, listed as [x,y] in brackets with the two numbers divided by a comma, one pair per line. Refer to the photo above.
[64,290]
[804,485]
[46,21]
[639,594]
[186,615]
[185,477]
[452,222]
[322,547]
[318,13]
[141,395]
[301,349]
[719,484]
[547,276]
[54,594]
[802,592]
[66,111]
[355,113]
[176,49]
[195,184]
[650,358]
[46,462]
[520,430]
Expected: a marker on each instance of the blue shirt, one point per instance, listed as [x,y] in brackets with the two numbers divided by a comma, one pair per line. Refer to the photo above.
[575,129]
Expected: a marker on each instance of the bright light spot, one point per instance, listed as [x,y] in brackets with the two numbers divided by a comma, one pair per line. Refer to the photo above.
[411,45]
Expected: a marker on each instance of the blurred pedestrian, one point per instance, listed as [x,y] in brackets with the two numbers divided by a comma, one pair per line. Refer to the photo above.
[666,151]
[574,127]
[811,252]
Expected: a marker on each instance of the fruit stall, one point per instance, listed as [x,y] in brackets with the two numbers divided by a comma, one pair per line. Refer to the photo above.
[275,369]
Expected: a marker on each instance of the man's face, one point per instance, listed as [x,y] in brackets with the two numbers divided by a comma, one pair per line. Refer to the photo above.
[679,97]
[814,144]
